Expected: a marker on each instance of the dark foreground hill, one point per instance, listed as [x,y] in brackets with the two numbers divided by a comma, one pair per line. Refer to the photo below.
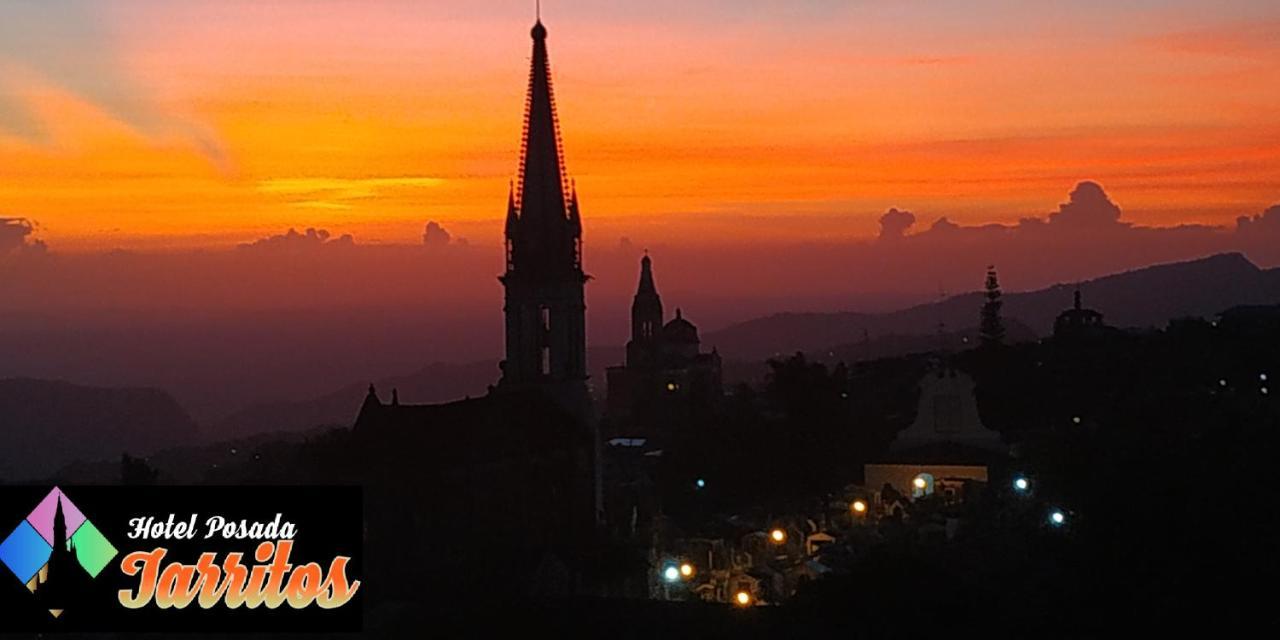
[43,424]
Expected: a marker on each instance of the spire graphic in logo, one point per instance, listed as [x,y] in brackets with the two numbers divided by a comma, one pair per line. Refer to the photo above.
[44,550]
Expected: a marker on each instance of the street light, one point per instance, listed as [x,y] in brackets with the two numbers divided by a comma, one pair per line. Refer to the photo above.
[859,507]
[742,598]
[920,483]
[686,570]
[1057,518]
[700,483]
[1021,484]
[671,573]
[778,535]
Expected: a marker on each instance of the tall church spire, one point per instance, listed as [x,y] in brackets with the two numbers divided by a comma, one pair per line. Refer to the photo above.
[545,305]
[547,237]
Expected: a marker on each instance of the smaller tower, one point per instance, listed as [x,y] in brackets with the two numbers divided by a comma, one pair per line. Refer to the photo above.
[646,319]
[1079,321]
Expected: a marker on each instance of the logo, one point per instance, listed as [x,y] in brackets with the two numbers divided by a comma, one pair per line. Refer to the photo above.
[169,559]
[55,551]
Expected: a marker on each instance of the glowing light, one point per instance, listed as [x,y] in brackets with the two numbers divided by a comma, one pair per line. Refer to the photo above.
[1076,419]
[671,386]
[702,484]
[1264,391]
[743,598]
[859,506]
[779,536]
[1222,382]
[1057,518]
[686,570]
[920,483]
[671,573]
[1021,484]
[1262,377]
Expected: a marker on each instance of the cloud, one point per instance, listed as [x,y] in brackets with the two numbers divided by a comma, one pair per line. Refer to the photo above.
[15,236]
[1087,212]
[1260,234]
[1088,208]
[943,225]
[68,45]
[932,61]
[295,242]
[894,224]
[1265,223]
[1253,40]
[338,193]
[435,235]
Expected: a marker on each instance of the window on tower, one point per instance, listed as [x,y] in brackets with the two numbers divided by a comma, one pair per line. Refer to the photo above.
[545,366]
[545,315]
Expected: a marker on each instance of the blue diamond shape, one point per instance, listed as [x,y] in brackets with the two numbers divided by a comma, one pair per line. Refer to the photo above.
[24,552]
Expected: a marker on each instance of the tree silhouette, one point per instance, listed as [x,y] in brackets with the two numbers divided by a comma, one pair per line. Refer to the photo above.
[991,328]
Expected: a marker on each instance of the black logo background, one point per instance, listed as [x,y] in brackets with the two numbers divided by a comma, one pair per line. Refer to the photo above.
[328,522]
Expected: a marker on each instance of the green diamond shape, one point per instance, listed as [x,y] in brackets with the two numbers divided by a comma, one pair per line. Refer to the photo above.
[92,548]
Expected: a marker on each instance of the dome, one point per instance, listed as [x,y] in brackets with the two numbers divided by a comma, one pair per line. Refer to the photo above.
[680,330]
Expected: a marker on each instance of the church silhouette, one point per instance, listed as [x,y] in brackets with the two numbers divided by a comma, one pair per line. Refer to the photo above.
[61,582]
[508,480]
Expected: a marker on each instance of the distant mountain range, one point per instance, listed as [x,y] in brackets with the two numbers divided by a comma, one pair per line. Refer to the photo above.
[1143,297]
[44,424]
[1140,298]
[52,423]
[437,382]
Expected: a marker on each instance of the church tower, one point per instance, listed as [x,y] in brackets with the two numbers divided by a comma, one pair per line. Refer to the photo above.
[646,319]
[545,305]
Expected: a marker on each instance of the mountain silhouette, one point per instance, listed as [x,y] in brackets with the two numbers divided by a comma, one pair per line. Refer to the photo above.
[437,382]
[141,421]
[1145,297]
[44,424]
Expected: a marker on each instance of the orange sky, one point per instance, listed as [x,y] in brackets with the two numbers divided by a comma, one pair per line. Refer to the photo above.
[155,125]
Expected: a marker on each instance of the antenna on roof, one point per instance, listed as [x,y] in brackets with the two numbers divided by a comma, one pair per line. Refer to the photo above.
[537,10]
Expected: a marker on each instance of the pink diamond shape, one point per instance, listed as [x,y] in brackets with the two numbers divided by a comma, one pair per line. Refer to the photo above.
[41,518]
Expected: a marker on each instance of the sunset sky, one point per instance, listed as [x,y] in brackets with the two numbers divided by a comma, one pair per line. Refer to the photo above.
[171,125]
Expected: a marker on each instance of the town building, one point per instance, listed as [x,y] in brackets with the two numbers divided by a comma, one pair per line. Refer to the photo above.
[666,379]
[1079,322]
[945,447]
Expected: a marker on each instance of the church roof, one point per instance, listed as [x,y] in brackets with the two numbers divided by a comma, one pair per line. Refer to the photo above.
[498,425]
[680,330]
